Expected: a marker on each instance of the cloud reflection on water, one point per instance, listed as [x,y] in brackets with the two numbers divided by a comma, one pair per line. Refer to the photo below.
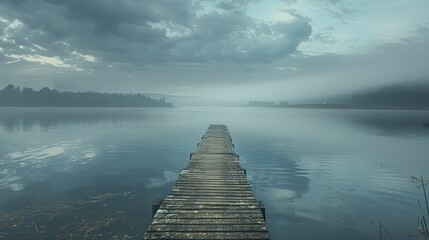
[9,179]
[36,154]
[25,165]
[167,177]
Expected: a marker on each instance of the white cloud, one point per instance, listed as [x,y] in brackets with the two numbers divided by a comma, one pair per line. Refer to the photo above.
[13,61]
[85,57]
[39,47]
[15,24]
[171,29]
[53,61]
[9,27]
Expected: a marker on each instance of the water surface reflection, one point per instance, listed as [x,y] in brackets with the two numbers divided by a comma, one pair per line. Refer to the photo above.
[322,174]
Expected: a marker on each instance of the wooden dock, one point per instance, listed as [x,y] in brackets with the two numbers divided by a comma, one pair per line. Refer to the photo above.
[211,198]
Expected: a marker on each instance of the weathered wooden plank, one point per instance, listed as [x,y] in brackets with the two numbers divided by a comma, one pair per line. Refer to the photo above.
[214,189]
[213,207]
[211,193]
[207,198]
[208,235]
[207,201]
[212,186]
[208,221]
[251,213]
[189,182]
[208,228]
[169,203]
[209,188]
[209,176]
[213,176]
[243,198]
[238,181]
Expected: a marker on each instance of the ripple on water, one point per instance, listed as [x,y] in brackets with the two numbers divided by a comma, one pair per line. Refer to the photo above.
[9,179]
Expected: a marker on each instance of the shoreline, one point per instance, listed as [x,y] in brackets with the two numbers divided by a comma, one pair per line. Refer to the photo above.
[339,106]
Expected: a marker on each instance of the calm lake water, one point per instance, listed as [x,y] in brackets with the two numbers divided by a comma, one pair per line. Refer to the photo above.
[72,173]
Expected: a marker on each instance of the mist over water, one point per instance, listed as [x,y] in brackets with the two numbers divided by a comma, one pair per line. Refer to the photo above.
[322,174]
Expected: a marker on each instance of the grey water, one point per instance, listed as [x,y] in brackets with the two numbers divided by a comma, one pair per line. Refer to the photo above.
[74,173]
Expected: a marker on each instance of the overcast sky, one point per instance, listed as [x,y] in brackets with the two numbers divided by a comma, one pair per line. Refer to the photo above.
[235,49]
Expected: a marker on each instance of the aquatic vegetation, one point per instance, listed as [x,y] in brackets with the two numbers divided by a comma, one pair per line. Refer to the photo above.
[75,219]
[423,224]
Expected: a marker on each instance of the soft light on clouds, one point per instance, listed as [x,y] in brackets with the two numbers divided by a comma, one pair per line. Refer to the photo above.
[53,61]
[279,49]
[88,58]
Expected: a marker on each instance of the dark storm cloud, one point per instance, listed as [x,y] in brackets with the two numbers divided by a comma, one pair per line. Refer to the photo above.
[143,32]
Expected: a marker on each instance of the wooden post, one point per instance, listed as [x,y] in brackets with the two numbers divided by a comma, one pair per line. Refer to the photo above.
[155,206]
[262,207]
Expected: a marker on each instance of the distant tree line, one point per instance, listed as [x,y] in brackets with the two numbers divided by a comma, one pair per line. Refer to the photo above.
[392,97]
[267,104]
[261,104]
[397,96]
[45,97]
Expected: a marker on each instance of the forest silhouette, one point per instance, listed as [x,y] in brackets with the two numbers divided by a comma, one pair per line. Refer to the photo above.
[45,97]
